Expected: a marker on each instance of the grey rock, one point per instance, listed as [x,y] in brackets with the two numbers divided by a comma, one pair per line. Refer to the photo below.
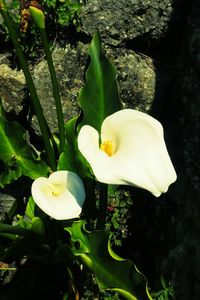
[6,203]
[12,84]
[135,74]
[136,78]
[121,21]
[69,64]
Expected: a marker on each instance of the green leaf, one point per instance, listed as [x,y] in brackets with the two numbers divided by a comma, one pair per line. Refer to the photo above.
[25,241]
[37,225]
[67,160]
[99,97]
[112,272]
[71,159]
[30,207]
[16,154]
[16,230]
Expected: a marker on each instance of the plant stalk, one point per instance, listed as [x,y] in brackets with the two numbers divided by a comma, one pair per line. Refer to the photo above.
[35,100]
[56,93]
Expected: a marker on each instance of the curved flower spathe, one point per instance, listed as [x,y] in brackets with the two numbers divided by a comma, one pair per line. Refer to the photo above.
[61,196]
[132,151]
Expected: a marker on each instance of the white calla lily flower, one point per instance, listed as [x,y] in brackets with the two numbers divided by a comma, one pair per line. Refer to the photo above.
[61,196]
[132,151]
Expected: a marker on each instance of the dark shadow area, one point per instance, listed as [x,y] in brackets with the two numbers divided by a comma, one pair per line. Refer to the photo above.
[151,227]
[155,220]
[34,280]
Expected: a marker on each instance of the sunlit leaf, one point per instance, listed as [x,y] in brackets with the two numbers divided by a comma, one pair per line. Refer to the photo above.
[112,272]
[16,154]
[71,159]
[99,97]
[67,160]
[30,207]
[37,225]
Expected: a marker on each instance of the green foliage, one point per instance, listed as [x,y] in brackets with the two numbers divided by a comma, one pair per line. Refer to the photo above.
[66,11]
[27,233]
[29,220]
[99,97]
[35,224]
[112,272]
[100,88]
[14,11]
[25,241]
[16,154]
[30,208]
[111,297]
[166,293]
[118,214]
[59,14]
[71,159]
[62,12]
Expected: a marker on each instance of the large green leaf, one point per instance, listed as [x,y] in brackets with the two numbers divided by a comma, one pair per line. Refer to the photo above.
[112,272]
[16,154]
[99,97]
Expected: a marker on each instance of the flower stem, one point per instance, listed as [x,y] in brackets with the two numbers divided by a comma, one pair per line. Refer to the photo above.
[35,100]
[56,93]
[103,197]
[39,20]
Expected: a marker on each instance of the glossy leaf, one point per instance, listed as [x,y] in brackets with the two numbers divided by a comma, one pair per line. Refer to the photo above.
[71,159]
[37,225]
[30,207]
[16,154]
[112,272]
[67,160]
[99,97]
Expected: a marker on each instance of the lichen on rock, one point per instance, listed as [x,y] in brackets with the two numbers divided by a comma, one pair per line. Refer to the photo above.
[121,21]
[12,89]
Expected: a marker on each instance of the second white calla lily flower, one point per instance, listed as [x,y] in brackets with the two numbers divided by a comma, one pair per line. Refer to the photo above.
[61,196]
[130,150]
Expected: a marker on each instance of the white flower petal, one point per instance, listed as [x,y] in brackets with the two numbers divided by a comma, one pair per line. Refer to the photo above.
[140,156]
[102,166]
[67,203]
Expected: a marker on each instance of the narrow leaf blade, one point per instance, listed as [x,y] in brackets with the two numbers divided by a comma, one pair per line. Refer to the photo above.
[99,97]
